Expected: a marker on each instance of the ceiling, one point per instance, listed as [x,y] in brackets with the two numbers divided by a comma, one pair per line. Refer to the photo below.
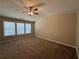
[51,7]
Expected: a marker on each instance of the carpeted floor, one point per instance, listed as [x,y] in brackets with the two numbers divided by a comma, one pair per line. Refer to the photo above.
[35,48]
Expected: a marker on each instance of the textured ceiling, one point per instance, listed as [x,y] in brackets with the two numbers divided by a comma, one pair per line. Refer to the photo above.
[11,8]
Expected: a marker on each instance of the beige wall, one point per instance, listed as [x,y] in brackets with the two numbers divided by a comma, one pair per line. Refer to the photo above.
[60,28]
[77,37]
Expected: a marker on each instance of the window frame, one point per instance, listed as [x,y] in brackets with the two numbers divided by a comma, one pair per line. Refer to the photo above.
[16,28]
[30,29]
[4,29]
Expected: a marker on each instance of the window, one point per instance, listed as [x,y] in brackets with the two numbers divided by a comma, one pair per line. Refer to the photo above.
[28,28]
[9,28]
[20,28]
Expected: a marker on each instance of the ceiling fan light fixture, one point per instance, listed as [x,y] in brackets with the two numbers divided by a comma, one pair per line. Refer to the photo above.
[30,13]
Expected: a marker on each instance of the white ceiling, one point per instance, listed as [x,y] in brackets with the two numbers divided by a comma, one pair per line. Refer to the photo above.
[52,7]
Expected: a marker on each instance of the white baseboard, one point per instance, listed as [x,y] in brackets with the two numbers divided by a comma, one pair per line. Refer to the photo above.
[61,44]
[57,42]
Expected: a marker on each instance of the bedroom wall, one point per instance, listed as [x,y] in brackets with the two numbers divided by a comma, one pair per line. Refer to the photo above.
[77,37]
[61,28]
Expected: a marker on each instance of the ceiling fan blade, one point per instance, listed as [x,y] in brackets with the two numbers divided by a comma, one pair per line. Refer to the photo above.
[38,5]
[20,2]
[25,7]
[35,9]
[36,13]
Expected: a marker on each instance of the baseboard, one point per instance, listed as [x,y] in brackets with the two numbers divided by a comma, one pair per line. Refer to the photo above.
[61,44]
[57,42]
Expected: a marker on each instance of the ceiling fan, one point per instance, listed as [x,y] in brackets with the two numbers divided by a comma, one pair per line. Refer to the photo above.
[32,10]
